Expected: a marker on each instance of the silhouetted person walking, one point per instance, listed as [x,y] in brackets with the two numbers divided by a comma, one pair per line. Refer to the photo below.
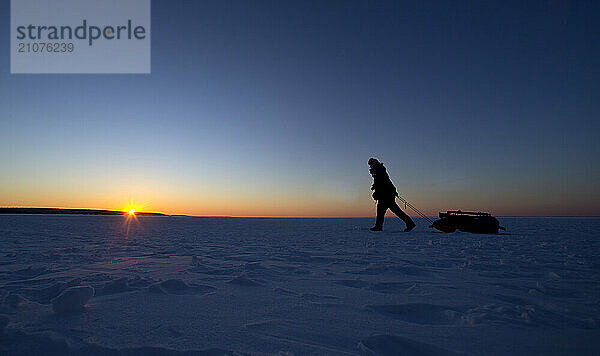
[385,194]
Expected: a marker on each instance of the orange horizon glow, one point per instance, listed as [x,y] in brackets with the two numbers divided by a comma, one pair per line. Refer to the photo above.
[131,210]
[179,196]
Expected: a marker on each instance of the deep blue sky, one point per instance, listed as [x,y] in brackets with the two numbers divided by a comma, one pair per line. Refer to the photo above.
[274,107]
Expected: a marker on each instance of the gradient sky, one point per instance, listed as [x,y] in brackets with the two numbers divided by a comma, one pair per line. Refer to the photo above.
[272,108]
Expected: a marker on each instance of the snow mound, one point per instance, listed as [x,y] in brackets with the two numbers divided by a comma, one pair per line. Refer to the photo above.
[116,286]
[170,286]
[174,285]
[45,295]
[72,299]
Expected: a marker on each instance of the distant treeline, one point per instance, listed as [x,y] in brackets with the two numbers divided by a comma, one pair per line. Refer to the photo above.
[69,211]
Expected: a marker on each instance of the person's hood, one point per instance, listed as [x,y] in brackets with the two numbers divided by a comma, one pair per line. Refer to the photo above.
[373,161]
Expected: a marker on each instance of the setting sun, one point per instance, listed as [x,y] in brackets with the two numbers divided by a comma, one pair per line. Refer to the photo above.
[131,209]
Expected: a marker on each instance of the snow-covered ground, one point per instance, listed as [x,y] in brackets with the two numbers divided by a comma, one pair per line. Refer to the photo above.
[171,285]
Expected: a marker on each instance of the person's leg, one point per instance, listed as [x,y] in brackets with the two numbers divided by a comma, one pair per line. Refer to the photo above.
[381,209]
[402,215]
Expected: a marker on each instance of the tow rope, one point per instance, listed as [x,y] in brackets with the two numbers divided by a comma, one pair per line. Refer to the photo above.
[407,203]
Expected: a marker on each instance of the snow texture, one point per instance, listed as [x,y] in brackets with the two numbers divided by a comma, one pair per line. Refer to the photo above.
[3,322]
[72,299]
[224,286]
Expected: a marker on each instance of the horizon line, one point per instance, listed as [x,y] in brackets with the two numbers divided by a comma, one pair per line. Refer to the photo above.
[282,216]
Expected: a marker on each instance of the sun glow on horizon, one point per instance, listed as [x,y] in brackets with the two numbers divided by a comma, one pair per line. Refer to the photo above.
[131,209]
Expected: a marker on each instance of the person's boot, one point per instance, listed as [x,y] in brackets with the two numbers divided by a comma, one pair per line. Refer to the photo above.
[376,228]
[409,226]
